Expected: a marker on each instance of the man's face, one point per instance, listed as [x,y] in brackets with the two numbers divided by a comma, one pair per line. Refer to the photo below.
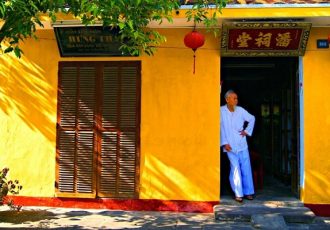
[232,99]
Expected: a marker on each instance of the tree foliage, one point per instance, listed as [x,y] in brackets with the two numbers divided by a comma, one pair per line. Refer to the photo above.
[20,18]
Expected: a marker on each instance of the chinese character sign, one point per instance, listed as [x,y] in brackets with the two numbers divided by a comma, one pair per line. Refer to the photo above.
[264,39]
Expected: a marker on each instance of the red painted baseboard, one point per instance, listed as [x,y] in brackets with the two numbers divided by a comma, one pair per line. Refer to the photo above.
[320,209]
[118,204]
[138,204]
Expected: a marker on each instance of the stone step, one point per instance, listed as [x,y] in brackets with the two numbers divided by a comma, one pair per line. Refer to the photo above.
[264,201]
[268,221]
[245,212]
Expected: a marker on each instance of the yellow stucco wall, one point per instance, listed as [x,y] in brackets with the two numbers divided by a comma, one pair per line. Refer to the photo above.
[28,115]
[180,128]
[316,82]
[179,118]
[179,115]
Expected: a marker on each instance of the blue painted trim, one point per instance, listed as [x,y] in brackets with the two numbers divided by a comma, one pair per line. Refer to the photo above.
[302,128]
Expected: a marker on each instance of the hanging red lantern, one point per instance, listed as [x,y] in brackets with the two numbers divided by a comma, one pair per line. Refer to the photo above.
[194,40]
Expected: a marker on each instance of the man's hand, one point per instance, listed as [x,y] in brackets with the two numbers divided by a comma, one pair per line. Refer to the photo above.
[243,133]
[227,147]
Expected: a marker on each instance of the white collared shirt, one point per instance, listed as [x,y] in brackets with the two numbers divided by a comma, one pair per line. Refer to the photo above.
[232,124]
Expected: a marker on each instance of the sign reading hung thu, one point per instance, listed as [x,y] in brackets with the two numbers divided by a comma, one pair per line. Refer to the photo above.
[88,41]
[264,38]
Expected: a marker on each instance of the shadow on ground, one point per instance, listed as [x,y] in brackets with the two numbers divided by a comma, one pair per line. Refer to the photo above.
[19,217]
[100,219]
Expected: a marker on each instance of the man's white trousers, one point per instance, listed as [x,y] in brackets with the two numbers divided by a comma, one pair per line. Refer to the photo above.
[240,176]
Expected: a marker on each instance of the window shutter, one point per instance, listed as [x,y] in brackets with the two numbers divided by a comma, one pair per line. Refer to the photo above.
[110,97]
[108,177]
[87,98]
[109,147]
[119,150]
[66,161]
[128,98]
[76,131]
[68,96]
[127,163]
[128,123]
[98,129]
[66,137]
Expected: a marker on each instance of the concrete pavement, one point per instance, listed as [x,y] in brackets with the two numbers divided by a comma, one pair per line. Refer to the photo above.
[65,218]
[69,218]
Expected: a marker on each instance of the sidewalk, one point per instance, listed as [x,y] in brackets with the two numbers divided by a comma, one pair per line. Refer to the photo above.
[68,218]
[58,218]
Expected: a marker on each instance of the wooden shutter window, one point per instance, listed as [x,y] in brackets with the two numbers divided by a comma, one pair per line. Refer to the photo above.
[85,133]
[66,161]
[75,131]
[119,148]
[86,97]
[110,97]
[128,98]
[98,129]
[127,164]
[108,177]
[128,103]
[68,96]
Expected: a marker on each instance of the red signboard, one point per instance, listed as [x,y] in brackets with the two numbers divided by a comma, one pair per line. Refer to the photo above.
[264,39]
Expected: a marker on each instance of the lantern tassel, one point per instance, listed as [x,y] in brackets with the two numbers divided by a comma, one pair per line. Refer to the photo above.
[194,63]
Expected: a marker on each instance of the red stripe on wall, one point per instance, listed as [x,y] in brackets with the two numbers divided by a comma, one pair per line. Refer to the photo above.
[118,204]
[319,209]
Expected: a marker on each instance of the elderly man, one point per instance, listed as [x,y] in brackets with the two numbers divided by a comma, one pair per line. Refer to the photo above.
[233,140]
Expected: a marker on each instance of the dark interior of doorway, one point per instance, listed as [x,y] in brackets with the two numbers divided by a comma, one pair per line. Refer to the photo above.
[268,88]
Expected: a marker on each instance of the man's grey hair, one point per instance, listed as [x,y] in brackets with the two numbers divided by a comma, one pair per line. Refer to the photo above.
[229,92]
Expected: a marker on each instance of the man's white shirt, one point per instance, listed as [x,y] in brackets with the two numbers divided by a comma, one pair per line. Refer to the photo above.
[232,124]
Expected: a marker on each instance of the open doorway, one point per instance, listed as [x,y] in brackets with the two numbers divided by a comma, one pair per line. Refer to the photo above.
[268,88]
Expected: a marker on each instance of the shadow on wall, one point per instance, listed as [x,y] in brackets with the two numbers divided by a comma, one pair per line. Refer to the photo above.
[26,92]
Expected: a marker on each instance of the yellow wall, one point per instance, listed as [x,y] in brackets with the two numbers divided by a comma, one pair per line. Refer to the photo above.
[316,67]
[179,118]
[179,115]
[180,121]
[28,115]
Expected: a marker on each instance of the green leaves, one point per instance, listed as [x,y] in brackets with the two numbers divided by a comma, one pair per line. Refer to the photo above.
[20,19]
[131,16]
[2,10]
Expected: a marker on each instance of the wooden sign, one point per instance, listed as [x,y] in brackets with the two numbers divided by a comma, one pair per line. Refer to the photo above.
[88,41]
[264,38]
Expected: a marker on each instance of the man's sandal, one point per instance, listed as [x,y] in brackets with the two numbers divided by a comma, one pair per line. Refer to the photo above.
[249,197]
[239,199]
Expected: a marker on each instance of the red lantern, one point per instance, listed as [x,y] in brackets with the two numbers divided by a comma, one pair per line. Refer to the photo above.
[194,40]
